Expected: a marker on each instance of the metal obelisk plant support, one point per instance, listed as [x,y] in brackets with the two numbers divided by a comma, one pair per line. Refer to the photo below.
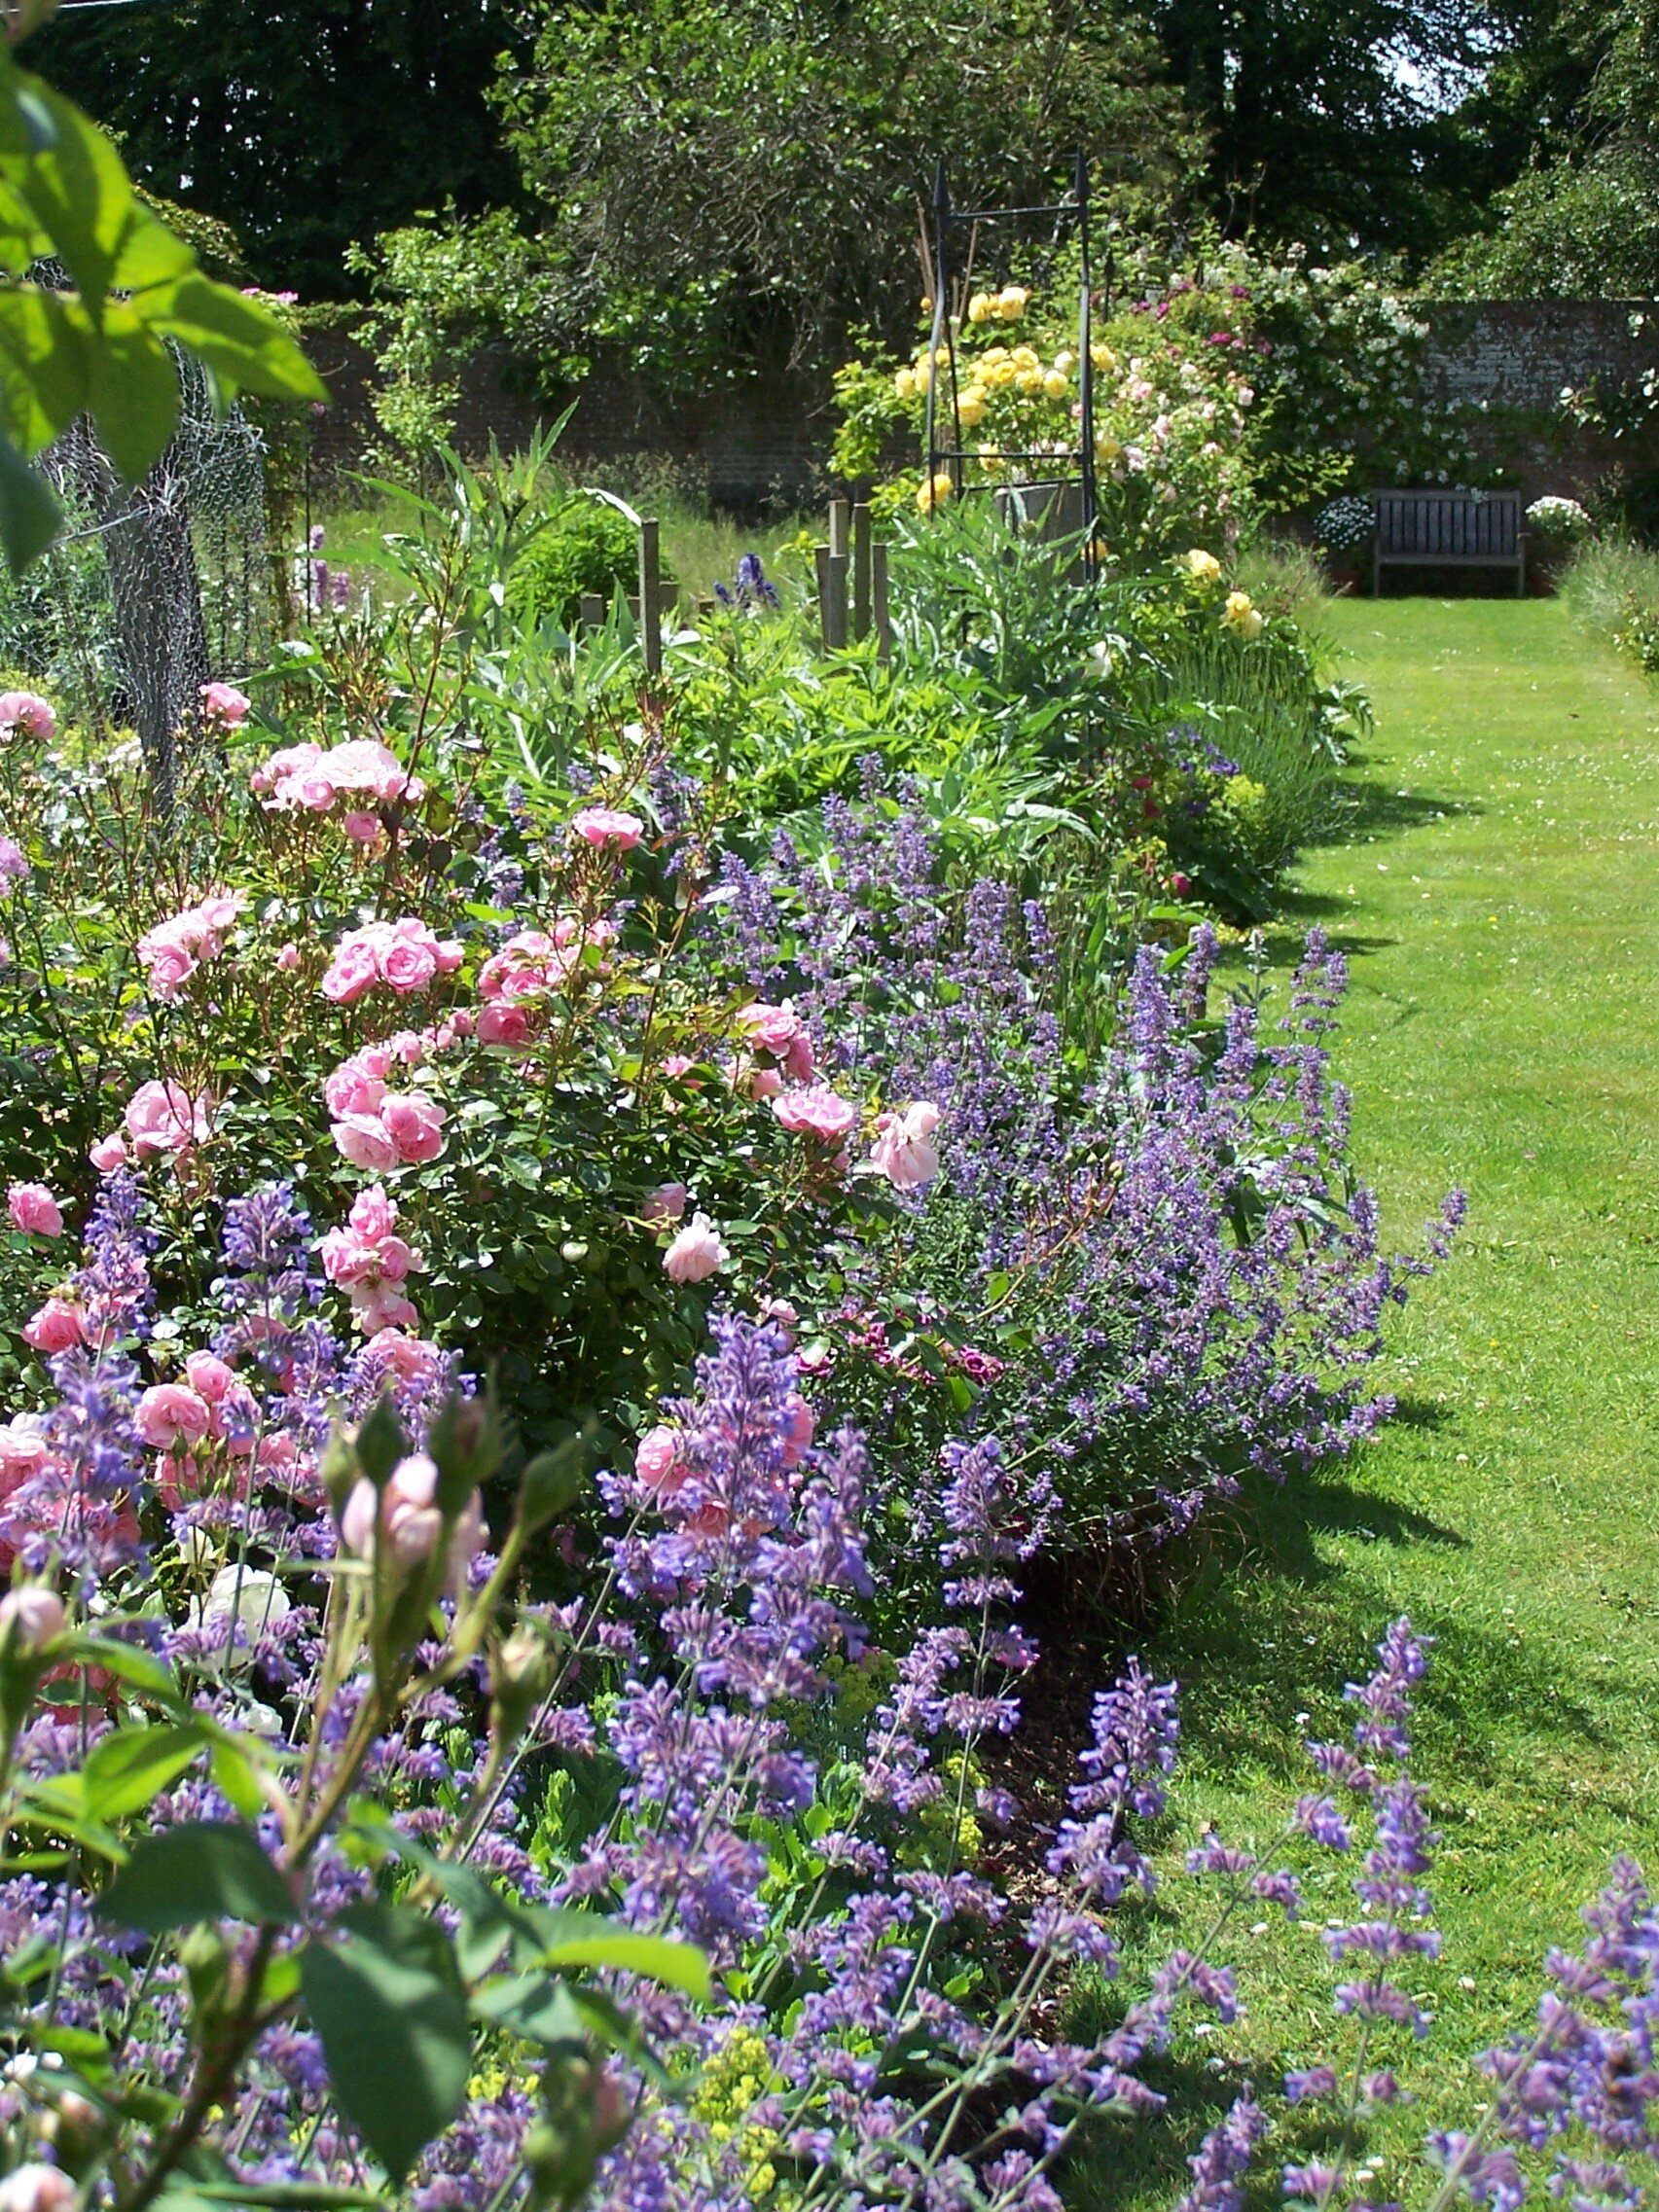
[942,457]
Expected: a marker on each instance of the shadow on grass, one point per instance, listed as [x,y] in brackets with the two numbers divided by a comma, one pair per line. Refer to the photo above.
[1364,810]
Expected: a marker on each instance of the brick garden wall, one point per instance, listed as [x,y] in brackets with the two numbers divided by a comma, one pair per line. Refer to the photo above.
[767,438]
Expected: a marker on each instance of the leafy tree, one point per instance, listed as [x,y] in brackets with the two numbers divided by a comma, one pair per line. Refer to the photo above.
[728,181]
[304,124]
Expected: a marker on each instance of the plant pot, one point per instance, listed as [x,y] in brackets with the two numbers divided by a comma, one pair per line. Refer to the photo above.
[1345,576]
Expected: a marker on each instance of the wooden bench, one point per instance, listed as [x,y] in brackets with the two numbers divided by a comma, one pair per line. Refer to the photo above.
[1450,529]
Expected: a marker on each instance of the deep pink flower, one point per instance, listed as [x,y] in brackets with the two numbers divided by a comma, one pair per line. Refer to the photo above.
[414,1123]
[818,1113]
[608,826]
[209,1377]
[503,1025]
[55,1328]
[224,704]
[355,967]
[654,1461]
[34,1210]
[108,1152]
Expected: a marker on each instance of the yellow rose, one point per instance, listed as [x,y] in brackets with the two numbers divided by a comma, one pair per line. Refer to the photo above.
[932,495]
[1054,385]
[1065,362]
[1029,379]
[1103,356]
[990,460]
[1241,614]
[922,375]
[1202,567]
[1000,374]
[992,355]
[1011,303]
[903,383]
[979,308]
[1107,446]
[971,407]
[1026,357]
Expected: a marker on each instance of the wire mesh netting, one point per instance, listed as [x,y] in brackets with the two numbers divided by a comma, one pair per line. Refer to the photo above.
[153,587]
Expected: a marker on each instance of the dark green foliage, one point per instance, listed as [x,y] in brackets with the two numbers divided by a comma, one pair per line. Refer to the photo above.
[589,547]
[305,125]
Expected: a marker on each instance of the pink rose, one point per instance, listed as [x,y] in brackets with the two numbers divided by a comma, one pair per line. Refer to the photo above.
[55,1328]
[378,1306]
[224,704]
[170,1415]
[761,1083]
[696,1253]
[24,1451]
[34,1210]
[654,1461]
[30,1619]
[166,967]
[288,958]
[108,1152]
[364,764]
[354,1088]
[165,1116]
[364,1140]
[36,2187]
[364,829]
[665,1204]
[209,1377]
[28,712]
[14,865]
[408,1046]
[601,826]
[411,1523]
[904,1150]
[415,1123]
[310,790]
[373,1213]
[354,969]
[503,1025]
[409,963]
[798,1437]
[818,1113]
[410,1357]
[524,965]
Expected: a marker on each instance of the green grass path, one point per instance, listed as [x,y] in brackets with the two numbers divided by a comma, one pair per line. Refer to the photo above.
[1498,899]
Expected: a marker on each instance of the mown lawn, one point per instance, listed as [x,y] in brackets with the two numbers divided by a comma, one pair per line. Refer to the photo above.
[1497,894]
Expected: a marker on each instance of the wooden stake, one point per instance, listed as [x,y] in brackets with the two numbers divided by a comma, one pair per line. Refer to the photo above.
[878,602]
[650,599]
[862,569]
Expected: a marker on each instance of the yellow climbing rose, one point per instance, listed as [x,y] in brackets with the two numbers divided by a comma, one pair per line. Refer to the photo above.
[980,308]
[1204,568]
[1242,614]
[971,407]
[934,494]
[903,383]
[1054,385]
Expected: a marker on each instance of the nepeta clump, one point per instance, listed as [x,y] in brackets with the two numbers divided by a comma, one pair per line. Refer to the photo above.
[1146,1273]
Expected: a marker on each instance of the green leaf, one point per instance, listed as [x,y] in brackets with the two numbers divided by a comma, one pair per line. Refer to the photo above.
[275,2195]
[128,1663]
[243,342]
[380,1443]
[135,391]
[536,2006]
[200,1871]
[682,1966]
[392,2014]
[127,1770]
[30,515]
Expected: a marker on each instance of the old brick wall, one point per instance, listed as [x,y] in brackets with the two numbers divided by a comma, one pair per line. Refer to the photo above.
[766,437]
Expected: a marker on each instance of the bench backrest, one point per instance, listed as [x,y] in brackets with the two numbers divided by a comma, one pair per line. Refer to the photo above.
[1458,524]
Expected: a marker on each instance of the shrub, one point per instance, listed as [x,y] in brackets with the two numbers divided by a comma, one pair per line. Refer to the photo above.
[587,546]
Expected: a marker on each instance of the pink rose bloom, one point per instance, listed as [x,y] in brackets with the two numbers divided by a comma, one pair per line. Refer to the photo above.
[34,1210]
[378,1306]
[781,1314]
[36,2187]
[165,1116]
[28,712]
[601,826]
[55,1328]
[408,1046]
[503,1025]
[24,1451]
[904,1150]
[409,963]
[523,967]
[364,764]
[665,1204]
[168,966]
[209,1377]
[760,1083]
[772,1028]
[411,1524]
[373,1213]
[170,1415]
[411,1358]
[288,958]
[798,1437]
[355,967]
[415,1123]
[108,1152]
[291,778]
[364,1140]
[347,1259]
[696,1253]
[365,830]
[30,1619]
[14,865]
[356,1086]
[224,704]
[654,1461]
[818,1113]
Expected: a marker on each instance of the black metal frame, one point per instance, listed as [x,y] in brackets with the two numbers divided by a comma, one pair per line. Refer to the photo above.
[944,334]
